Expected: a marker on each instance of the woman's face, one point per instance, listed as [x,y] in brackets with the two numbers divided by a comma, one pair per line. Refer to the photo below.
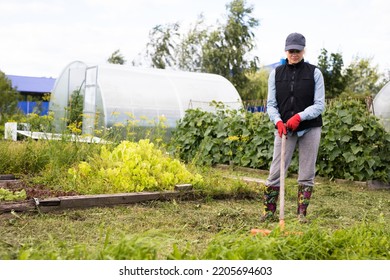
[294,56]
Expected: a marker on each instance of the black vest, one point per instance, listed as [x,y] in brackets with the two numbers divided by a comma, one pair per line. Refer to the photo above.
[295,91]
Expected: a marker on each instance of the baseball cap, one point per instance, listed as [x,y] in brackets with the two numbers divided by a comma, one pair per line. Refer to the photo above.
[295,41]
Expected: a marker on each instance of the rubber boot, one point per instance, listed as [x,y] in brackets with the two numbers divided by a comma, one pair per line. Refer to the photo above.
[304,195]
[271,195]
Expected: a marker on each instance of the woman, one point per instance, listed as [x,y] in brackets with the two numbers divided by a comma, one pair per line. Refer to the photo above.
[296,100]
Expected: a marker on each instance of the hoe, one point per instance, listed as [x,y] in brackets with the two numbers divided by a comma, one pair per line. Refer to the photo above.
[266,232]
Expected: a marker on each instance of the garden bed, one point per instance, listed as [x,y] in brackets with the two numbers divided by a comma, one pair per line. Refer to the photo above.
[43,199]
[9,182]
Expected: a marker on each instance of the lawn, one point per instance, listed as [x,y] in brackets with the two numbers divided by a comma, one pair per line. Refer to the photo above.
[348,221]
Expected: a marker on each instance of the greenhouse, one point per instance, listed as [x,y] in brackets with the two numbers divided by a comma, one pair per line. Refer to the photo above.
[381,106]
[114,94]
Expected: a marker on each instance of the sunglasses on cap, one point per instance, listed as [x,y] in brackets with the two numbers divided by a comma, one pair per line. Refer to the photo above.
[294,51]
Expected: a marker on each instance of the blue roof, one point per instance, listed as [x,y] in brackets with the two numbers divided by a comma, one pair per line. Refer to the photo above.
[276,64]
[32,84]
[273,65]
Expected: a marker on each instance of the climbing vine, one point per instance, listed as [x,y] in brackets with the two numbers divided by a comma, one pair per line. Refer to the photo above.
[354,144]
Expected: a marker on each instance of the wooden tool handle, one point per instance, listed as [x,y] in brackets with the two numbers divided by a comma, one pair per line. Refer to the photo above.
[282,176]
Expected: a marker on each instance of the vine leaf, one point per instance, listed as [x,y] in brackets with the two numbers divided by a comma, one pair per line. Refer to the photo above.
[357,127]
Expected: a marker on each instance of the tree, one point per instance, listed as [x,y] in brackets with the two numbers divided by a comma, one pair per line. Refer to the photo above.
[361,78]
[161,48]
[331,68]
[224,50]
[189,50]
[116,58]
[9,98]
[385,78]
[227,48]
[257,86]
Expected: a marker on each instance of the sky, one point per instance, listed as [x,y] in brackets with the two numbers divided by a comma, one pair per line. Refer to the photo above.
[41,37]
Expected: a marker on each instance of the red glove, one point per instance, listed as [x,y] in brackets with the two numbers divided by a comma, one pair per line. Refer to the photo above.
[281,128]
[293,122]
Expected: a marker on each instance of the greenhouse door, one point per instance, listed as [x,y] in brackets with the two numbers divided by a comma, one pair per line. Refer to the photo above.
[89,112]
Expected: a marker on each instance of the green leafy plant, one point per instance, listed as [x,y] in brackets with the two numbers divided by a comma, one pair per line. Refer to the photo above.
[8,195]
[74,123]
[354,144]
[130,167]
[224,137]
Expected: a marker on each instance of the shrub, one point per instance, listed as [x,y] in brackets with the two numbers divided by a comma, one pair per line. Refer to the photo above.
[224,137]
[129,167]
[354,144]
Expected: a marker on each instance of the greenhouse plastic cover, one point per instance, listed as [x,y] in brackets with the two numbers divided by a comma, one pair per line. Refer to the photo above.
[381,106]
[118,93]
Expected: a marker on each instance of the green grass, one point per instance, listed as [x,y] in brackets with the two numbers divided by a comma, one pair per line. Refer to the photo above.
[348,221]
